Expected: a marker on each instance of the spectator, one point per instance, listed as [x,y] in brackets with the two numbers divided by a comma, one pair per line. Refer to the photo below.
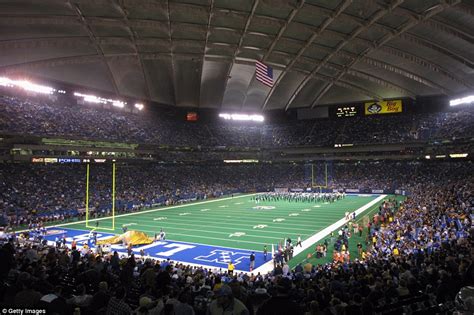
[225,303]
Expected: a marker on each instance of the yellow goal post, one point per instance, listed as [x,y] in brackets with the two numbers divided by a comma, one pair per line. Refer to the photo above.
[88,220]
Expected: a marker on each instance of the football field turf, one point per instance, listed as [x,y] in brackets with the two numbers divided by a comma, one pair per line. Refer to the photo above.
[230,224]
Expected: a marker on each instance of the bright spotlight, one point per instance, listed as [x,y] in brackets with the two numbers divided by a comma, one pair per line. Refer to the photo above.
[26,85]
[242,117]
[465,100]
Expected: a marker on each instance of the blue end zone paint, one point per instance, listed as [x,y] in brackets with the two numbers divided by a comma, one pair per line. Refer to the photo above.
[191,253]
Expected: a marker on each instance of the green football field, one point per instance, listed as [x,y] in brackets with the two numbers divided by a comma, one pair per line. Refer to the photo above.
[236,222]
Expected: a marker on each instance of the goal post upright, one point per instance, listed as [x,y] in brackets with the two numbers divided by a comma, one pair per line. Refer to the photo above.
[324,177]
[113,199]
[87,194]
[113,196]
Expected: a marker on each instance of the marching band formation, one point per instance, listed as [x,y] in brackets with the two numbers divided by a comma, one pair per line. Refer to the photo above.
[299,197]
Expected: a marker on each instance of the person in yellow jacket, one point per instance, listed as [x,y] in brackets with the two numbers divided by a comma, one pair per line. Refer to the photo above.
[396,251]
[230,268]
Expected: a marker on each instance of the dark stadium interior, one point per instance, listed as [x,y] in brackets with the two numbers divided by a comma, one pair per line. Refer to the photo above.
[376,97]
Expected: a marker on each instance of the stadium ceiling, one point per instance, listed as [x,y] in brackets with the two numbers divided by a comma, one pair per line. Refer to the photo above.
[202,53]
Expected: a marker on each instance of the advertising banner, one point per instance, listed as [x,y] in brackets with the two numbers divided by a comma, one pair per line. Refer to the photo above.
[377,191]
[352,190]
[296,190]
[383,107]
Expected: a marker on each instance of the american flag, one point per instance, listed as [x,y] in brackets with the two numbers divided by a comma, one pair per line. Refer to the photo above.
[264,73]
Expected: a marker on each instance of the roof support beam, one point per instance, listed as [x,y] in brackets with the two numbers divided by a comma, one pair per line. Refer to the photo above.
[410,24]
[374,18]
[403,54]
[425,63]
[348,85]
[371,77]
[342,6]
[208,31]
[120,6]
[237,50]
[95,42]
[65,19]
[282,30]
[389,67]
[76,41]
[170,38]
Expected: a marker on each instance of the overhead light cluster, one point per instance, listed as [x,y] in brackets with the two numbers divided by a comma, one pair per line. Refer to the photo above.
[241,161]
[100,100]
[26,85]
[458,155]
[451,155]
[465,100]
[242,117]
[43,89]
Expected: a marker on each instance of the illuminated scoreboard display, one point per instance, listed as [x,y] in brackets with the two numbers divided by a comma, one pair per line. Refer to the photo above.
[344,111]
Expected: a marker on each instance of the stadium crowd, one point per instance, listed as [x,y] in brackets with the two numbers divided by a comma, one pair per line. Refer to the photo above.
[419,257]
[57,191]
[418,253]
[67,119]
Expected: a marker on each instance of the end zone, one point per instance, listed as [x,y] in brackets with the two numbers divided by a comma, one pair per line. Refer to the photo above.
[181,252]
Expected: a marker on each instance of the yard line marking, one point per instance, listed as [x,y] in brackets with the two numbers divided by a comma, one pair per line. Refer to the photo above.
[160,219]
[259,214]
[219,239]
[237,234]
[148,211]
[169,234]
[192,222]
[129,224]
[195,243]
[302,227]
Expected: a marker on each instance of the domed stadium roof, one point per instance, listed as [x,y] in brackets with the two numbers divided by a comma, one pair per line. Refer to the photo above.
[202,53]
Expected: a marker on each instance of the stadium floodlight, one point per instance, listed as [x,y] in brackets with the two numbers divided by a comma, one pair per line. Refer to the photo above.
[100,100]
[139,106]
[465,100]
[6,82]
[442,156]
[242,117]
[26,85]
[241,161]
[427,157]
[119,104]
[458,155]
[90,98]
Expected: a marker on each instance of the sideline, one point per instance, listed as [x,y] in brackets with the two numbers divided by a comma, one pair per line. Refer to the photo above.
[319,236]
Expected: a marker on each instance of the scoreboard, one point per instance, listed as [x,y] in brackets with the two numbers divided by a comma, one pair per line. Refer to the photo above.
[365,109]
[345,111]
